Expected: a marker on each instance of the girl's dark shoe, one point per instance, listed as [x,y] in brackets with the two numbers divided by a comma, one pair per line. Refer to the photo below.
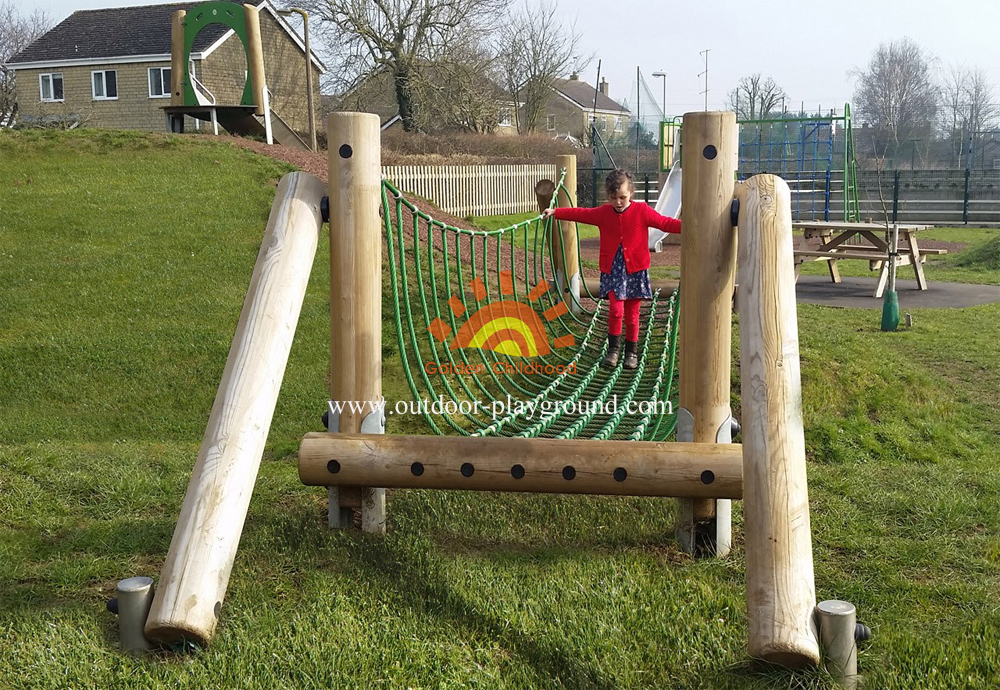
[631,355]
[611,358]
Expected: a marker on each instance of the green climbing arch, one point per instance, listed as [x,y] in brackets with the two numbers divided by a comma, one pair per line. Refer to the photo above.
[197,18]
[431,263]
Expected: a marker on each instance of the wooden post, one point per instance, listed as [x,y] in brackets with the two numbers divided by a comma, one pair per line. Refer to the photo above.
[523,464]
[196,572]
[708,258]
[356,295]
[177,58]
[780,588]
[255,58]
[565,254]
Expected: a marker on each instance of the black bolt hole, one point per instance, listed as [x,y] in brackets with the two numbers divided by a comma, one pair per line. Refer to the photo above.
[569,472]
[620,474]
[417,469]
[710,152]
[707,477]
[346,151]
[517,472]
[333,467]
[467,469]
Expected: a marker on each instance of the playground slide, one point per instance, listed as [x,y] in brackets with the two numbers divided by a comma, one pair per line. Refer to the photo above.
[196,571]
[668,204]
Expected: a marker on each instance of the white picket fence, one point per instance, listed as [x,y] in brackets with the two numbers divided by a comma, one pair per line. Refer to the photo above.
[473,190]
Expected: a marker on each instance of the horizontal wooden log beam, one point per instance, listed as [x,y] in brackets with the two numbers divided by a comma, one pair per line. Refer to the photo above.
[624,468]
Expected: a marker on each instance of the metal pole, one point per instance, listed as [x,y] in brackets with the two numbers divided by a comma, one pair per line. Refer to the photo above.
[895,196]
[663,75]
[638,113]
[309,84]
[705,73]
[965,199]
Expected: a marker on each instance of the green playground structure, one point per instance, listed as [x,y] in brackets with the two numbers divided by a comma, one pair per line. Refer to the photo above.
[814,154]
[253,114]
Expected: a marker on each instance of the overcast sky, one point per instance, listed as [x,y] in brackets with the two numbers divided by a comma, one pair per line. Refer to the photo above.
[809,47]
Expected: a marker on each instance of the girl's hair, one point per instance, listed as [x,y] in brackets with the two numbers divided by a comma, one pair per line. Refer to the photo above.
[616,179]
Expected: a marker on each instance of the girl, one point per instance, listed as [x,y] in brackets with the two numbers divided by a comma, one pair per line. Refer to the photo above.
[624,258]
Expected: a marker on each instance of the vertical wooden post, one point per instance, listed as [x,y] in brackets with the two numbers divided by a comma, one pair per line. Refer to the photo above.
[196,572]
[780,587]
[356,293]
[255,57]
[708,259]
[177,58]
[565,253]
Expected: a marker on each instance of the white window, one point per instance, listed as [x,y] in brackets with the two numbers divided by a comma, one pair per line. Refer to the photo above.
[618,123]
[51,86]
[550,123]
[505,117]
[159,82]
[105,84]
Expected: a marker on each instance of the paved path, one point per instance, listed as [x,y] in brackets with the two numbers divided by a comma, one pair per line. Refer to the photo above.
[857,293]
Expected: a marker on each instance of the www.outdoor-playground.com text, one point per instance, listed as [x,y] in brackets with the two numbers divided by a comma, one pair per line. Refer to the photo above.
[497,409]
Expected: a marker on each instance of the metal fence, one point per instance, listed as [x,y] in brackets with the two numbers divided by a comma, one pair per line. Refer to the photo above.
[590,186]
[939,197]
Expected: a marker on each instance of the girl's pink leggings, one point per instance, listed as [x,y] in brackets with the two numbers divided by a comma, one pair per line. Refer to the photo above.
[629,308]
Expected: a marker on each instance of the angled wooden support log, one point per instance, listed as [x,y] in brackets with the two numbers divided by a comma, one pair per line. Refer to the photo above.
[196,572]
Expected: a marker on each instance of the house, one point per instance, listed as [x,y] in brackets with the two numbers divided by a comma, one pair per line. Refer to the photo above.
[110,68]
[450,98]
[484,106]
[571,108]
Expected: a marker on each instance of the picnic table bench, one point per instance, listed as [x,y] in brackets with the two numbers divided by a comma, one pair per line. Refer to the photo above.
[874,248]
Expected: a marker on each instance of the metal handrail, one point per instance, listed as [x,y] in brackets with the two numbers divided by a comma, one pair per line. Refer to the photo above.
[196,85]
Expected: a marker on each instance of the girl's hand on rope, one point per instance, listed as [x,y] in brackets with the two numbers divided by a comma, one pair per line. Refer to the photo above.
[548,213]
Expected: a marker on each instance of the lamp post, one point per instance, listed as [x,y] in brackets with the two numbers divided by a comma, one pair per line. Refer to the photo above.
[309,87]
[664,75]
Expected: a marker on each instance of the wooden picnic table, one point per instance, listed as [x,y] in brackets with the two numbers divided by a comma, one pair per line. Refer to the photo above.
[873,247]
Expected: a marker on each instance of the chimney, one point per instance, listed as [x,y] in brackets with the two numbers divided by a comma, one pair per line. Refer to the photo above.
[575,76]
[604,86]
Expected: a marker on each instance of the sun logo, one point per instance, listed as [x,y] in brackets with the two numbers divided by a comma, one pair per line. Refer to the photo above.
[508,327]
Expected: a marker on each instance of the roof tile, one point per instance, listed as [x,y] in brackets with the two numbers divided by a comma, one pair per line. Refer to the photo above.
[583,93]
[114,32]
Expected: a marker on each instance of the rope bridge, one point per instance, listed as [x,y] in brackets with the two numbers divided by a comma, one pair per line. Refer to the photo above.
[470,307]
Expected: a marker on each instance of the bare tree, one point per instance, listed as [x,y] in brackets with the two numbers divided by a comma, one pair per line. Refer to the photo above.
[981,103]
[17,31]
[535,48]
[954,111]
[756,98]
[896,93]
[461,91]
[400,37]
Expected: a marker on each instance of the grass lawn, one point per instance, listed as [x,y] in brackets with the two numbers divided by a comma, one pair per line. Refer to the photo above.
[124,259]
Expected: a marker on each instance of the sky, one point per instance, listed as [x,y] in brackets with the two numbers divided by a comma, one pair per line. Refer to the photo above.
[808,47]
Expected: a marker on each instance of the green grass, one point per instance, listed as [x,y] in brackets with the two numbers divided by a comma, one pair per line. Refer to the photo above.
[124,260]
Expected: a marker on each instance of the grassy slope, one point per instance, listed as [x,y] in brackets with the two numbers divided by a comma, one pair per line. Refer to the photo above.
[123,264]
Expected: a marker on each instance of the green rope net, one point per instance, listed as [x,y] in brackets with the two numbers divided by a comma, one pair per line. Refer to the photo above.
[468,305]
